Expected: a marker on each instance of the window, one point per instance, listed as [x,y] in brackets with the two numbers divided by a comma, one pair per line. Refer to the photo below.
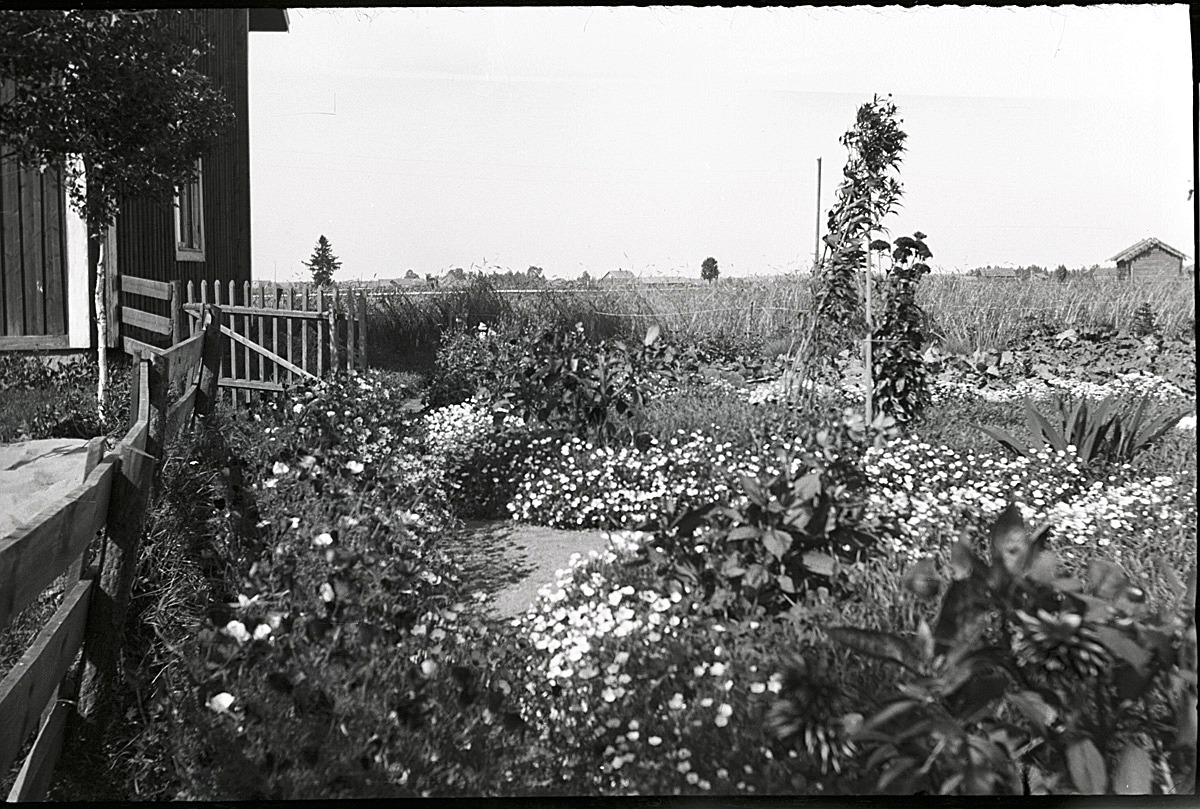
[189,218]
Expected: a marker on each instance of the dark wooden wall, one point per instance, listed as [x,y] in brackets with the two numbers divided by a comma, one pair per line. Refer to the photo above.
[146,227]
[1155,263]
[33,267]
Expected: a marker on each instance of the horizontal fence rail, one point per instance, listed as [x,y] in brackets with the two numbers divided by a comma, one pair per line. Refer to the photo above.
[37,697]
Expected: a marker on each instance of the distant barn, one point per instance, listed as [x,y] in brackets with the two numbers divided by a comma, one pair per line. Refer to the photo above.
[1149,258]
[615,278]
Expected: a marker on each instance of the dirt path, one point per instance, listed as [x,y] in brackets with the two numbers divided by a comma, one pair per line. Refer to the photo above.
[511,562]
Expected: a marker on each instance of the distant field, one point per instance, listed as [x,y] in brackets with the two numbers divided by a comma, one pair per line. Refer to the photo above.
[967,313]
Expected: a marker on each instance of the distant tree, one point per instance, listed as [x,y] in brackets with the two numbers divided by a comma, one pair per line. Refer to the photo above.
[431,280]
[410,274]
[534,272]
[323,263]
[1060,273]
[709,270]
[585,279]
[458,274]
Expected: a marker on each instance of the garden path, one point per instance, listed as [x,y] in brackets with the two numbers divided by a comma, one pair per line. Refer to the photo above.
[34,473]
[511,561]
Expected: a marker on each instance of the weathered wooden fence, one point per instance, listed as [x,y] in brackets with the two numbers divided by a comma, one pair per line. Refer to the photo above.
[38,695]
[277,335]
[272,335]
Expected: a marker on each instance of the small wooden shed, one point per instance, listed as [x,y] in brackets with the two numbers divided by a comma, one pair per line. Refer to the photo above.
[1149,258]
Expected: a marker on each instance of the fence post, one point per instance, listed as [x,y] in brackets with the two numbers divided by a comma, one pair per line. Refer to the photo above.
[175,302]
[333,334]
[210,367]
[137,470]
[362,328]
[320,328]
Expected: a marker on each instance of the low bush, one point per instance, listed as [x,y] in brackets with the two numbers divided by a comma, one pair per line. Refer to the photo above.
[1028,682]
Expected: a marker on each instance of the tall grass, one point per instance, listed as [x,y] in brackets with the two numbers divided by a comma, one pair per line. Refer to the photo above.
[966,313]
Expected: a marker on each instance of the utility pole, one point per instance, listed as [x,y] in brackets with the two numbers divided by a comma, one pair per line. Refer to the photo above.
[817,242]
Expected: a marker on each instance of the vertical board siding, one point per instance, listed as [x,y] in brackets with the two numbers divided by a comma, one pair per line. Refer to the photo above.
[33,267]
[146,227]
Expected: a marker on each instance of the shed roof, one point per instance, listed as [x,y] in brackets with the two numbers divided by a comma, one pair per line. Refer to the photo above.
[1145,244]
[269,19]
[619,275]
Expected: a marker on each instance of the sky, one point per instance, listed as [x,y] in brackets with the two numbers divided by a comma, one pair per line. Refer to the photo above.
[590,139]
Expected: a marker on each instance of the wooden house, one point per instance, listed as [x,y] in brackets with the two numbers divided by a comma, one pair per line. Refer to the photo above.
[1006,273]
[1149,258]
[617,278]
[46,293]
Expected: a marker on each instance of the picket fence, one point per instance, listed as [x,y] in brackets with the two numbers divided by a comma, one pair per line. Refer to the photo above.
[38,695]
[272,335]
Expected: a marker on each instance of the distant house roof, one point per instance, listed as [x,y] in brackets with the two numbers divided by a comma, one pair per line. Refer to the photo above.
[997,272]
[624,276]
[1136,250]
[269,19]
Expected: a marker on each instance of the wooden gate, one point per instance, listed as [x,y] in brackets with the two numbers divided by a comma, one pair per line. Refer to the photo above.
[277,335]
[272,335]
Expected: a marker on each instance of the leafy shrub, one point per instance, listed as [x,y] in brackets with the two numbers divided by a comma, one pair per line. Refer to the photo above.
[782,530]
[556,379]
[1028,682]
[901,380]
[1100,434]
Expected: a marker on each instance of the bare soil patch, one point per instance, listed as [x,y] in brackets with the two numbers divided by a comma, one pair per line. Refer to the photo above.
[511,562]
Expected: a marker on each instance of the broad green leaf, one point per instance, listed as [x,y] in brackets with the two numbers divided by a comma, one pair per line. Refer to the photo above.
[1134,772]
[651,335]
[923,579]
[1124,647]
[1039,425]
[777,542]
[820,563]
[786,584]
[753,490]
[1086,766]
[1034,708]
[1007,439]
[889,712]
[1106,579]
[744,532]
[880,645]
[808,486]
[1010,541]
[963,561]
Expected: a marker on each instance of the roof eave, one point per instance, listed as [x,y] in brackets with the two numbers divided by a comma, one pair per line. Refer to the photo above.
[269,19]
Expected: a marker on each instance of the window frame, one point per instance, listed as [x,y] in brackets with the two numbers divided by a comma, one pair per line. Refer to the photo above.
[191,248]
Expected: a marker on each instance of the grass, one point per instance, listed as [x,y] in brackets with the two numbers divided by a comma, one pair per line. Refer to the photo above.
[762,313]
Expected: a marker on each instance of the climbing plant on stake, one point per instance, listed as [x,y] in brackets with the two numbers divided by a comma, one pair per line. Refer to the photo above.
[868,193]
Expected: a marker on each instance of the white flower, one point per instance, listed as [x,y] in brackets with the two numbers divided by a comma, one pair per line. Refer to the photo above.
[220,702]
[280,468]
[429,668]
[355,467]
[261,631]
[327,592]
[237,631]
[296,408]
[322,539]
